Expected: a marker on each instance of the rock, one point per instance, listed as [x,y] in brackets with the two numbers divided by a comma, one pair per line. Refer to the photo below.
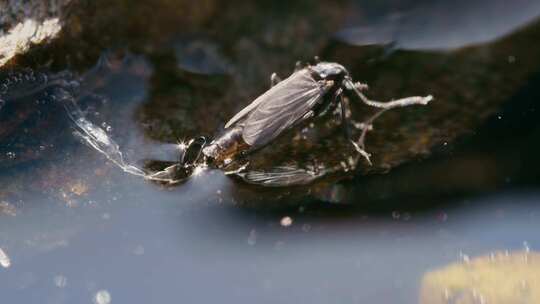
[499,278]
[33,122]
[234,48]
[26,23]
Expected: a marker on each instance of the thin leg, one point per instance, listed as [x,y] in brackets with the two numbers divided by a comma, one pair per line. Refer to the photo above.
[367,126]
[413,100]
[359,147]
[361,86]
[344,119]
[238,170]
[274,79]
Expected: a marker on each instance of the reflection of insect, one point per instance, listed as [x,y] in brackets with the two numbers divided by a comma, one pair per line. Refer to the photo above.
[309,92]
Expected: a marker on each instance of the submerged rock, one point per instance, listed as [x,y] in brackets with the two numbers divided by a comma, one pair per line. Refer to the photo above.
[33,121]
[499,278]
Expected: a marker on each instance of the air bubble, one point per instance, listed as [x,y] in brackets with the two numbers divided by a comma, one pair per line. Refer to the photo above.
[252,238]
[102,297]
[139,250]
[60,281]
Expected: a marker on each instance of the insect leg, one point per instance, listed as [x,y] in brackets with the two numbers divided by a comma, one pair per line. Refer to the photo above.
[344,119]
[238,170]
[403,102]
[359,147]
[274,79]
[367,125]
[361,86]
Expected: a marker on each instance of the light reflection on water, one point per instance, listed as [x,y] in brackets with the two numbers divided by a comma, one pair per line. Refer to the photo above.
[441,25]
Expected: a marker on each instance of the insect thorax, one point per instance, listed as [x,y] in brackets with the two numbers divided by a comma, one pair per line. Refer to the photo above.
[328,71]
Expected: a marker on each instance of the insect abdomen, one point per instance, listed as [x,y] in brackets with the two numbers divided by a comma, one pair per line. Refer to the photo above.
[227,146]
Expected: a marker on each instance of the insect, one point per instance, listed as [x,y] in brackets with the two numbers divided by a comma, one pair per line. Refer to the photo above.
[310,91]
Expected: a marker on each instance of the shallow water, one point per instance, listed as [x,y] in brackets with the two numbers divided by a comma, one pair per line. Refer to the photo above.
[460,178]
[143,244]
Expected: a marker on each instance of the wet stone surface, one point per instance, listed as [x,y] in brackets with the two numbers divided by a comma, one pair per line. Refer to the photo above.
[200,79]
[34,123]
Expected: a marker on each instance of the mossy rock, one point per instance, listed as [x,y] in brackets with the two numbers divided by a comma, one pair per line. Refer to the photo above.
[499,278]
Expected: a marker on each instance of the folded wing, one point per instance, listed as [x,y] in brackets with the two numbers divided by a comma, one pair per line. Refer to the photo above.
[280,108]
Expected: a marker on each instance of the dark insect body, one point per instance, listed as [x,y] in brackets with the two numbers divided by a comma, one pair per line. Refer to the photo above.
[310,91]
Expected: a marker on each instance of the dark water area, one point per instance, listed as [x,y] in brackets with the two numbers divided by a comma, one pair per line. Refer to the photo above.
[450,181]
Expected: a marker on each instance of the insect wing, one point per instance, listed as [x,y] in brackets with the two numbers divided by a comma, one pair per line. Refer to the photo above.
[280,176]
[281,108]
[264,97]
[244,112]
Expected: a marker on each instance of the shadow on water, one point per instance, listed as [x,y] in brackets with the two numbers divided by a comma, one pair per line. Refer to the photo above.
[457,177]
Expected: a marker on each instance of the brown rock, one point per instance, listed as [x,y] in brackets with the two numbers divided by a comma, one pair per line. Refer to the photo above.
[499,278]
